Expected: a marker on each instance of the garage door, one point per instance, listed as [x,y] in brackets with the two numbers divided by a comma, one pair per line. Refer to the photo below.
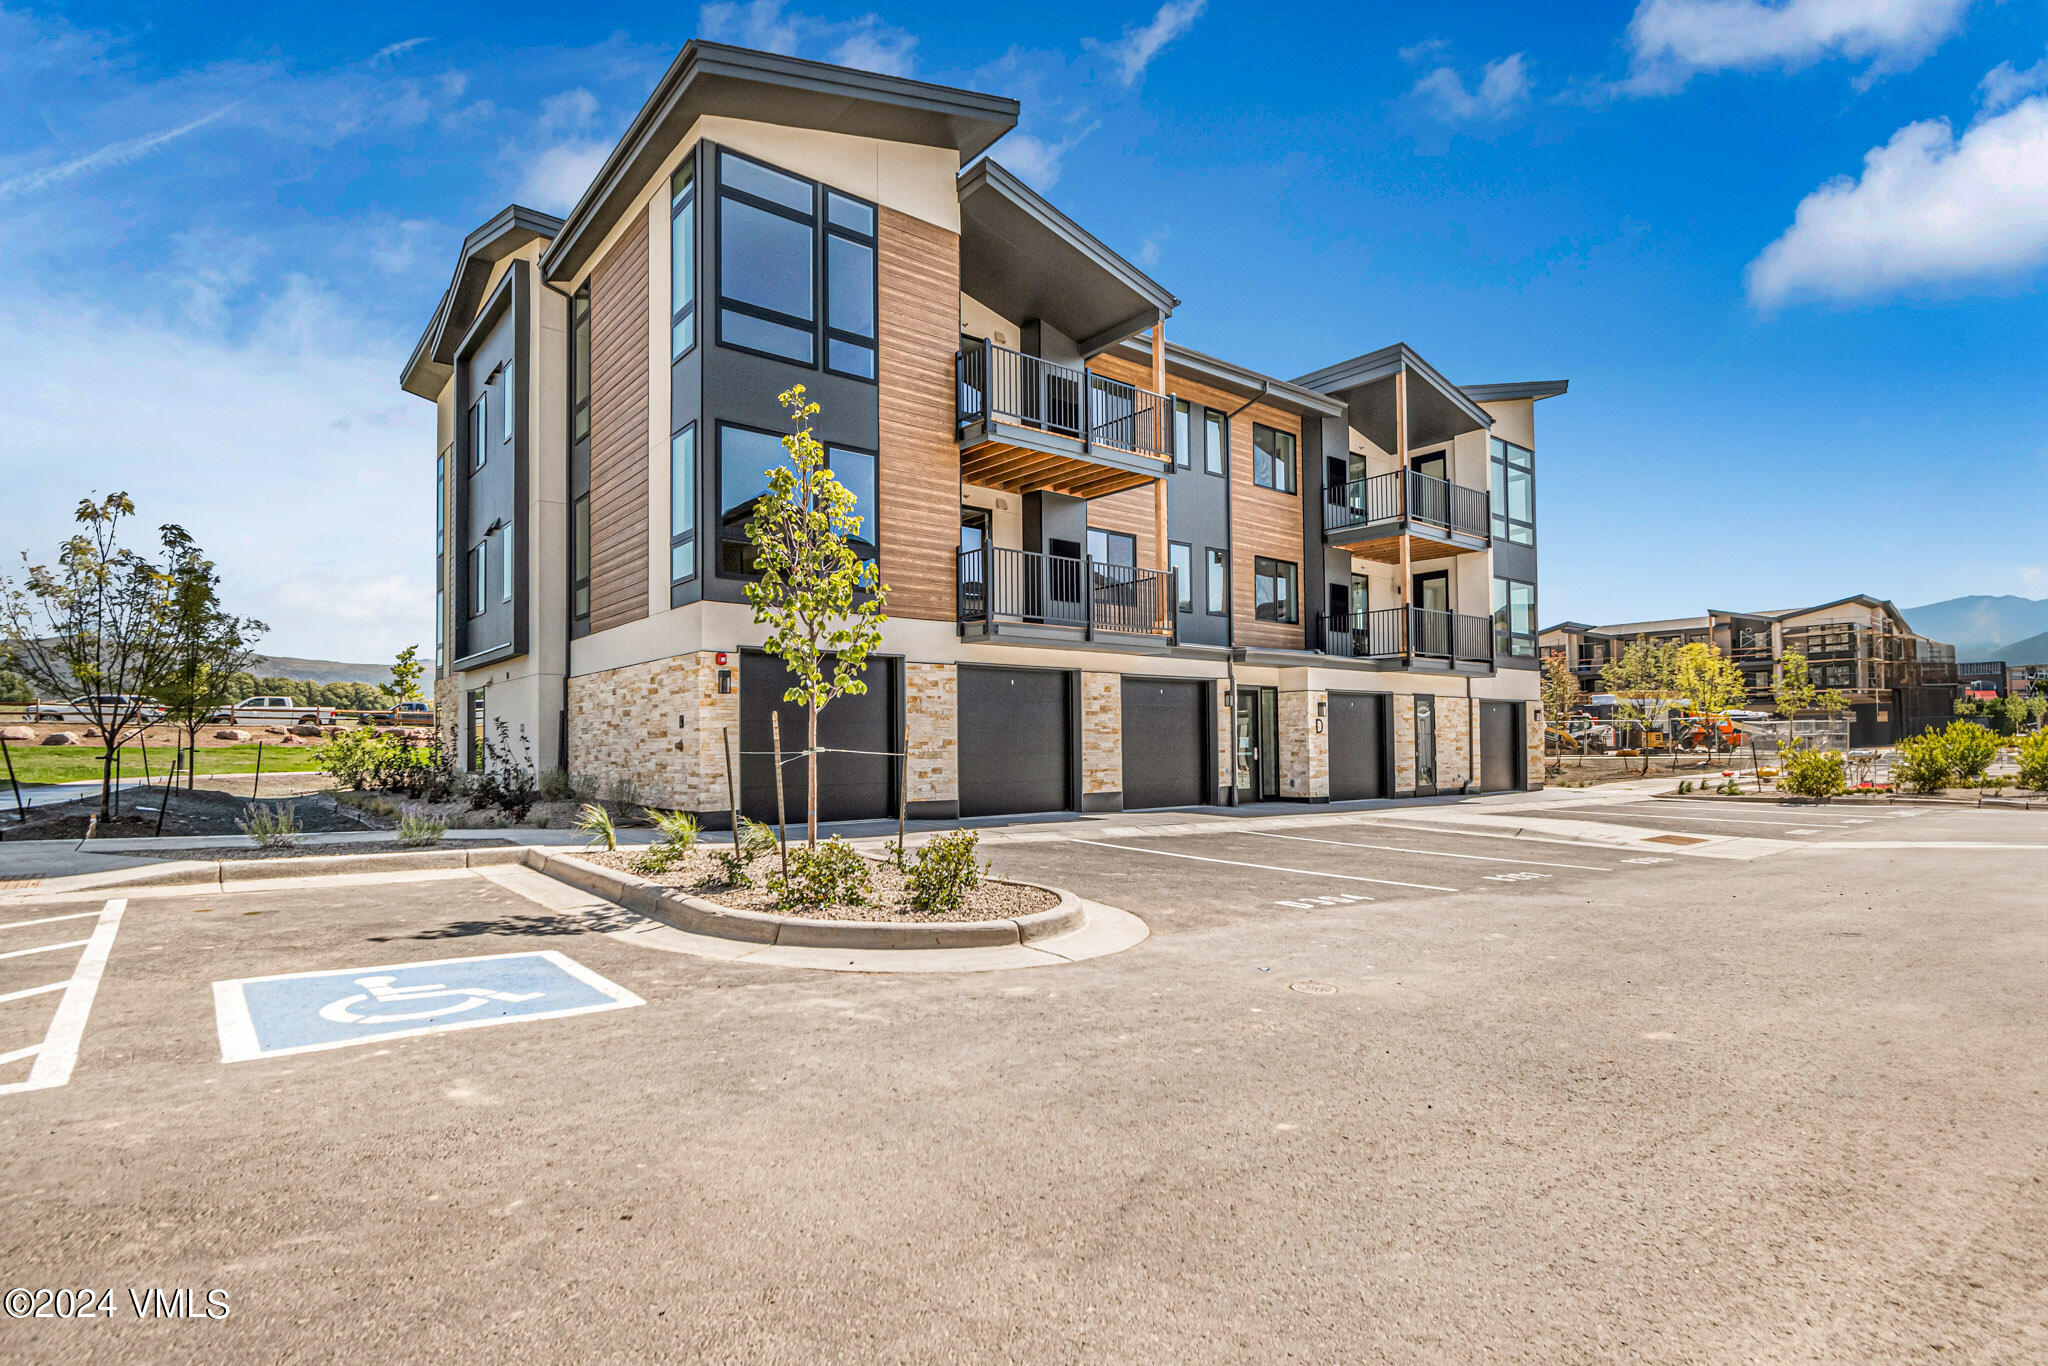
[850,786]
[1016,745]
[1358,745]
[1500,746]
[1167,743]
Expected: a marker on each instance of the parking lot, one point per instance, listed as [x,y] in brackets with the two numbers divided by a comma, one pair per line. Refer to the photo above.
[1522,1081]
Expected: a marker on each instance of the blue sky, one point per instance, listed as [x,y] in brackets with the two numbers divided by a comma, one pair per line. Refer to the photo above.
[1792,256]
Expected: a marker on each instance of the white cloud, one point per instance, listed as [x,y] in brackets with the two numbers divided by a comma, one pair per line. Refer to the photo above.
[571,111]
[556,177]
[1134,51]
[1417,53]
[103,158]
[1931,208]
[1038,161]
[864,41]
[1503,88]
[2003,85]
[1670,41]
[398,49]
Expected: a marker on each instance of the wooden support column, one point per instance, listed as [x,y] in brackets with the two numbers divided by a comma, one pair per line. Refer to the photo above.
[1165,419]
[1407,583]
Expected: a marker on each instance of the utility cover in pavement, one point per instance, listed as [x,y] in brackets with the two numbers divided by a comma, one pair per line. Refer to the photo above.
[298,1012]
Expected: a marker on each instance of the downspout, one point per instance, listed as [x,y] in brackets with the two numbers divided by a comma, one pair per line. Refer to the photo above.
[569,617]
[1230,617]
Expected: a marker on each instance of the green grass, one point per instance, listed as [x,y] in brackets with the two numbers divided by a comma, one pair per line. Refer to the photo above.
[71,763]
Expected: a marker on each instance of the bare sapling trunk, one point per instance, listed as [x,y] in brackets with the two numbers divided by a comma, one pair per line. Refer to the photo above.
[811,780]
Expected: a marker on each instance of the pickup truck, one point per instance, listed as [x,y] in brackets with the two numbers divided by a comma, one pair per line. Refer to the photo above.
[413,713]
[274,709]
[117,708]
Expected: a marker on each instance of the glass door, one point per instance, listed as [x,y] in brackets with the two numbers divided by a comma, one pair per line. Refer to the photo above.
[1425,745]
[1431,628]
[974,563]
[1258,744]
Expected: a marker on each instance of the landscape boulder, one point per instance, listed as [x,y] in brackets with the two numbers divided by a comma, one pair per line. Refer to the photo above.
[62,737]
[235,735]
[273,730]
[308,732]
[17,734]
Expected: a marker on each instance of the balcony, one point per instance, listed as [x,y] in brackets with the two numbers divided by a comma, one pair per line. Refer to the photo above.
[1052,597]
[1411,637]
[1371,515]
[1027,424]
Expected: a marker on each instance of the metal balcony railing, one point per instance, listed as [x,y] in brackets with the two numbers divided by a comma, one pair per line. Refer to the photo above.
[1408,633]
[1027,586]
[1404,493]
[995,383]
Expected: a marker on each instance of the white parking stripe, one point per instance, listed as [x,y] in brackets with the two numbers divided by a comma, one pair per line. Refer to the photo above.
[1718,820]
[1432,853]
[1680,801]
[1269,868]
[57,1054]
[45,948]
[35,991]
[18,1054]
[49,920]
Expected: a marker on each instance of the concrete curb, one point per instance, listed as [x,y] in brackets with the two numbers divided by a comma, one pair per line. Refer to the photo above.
[1855,803]
[699,916]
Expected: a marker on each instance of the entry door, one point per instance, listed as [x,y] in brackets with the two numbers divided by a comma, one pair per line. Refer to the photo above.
[1433,613]
[1425,746]
[974,563]
[1429,492]
[1500,746]
[1258,744]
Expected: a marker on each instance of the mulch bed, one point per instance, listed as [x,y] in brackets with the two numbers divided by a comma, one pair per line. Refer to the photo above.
[238,852]
[199,812]
[698,875]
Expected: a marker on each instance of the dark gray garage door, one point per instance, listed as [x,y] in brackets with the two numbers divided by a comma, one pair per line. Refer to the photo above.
[850,786]
[1167,743]
[1500,746]
[1358,745]
[1016,745]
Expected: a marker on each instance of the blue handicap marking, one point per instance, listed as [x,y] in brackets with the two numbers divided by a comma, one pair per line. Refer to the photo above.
[297,1012]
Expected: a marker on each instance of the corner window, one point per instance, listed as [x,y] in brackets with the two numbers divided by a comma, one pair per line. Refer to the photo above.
[1273,459]
[1183,452]
[1513,492]
[479,424]
[1215,441]
[849,286]
[1273,590]
[766,285]
[744,458]
[1514,618]
[579,366]
[1219,583]
[1181,560]
[1112,547]
[682,505]
[579,535]
[855,471]
[682,258]
[478,567]
[507,573]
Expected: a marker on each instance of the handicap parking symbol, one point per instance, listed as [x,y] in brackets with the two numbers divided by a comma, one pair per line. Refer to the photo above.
[299,1012]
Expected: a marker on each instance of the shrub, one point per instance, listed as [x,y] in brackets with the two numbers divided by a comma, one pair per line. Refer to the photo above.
[754,840]
[943,872]
[557,786]
[420,830]
[272,827]
[2034,761]
[508,780]
[830,875]
[1685,787]
[1970,749]
[352,756]
[678,838]
[1811,772]
[1921,762]
[596,822]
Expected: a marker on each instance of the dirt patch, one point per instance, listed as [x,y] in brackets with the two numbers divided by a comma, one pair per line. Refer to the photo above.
[199,812]
[700,876]
[237,853]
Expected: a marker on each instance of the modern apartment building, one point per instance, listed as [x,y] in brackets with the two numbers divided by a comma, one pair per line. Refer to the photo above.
[1898,683]
[1122,573]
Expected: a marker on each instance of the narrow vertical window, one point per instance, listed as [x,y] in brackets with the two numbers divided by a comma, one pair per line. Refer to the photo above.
[855,472]
[1181,559]
[849,286]
[682,258]
[506,408]
[506,572]
[1219,587]
[682,505]
[580,552]
[478,568]
[579,367]
[1183,453]
[440,504]
[479,423]
[1214,441]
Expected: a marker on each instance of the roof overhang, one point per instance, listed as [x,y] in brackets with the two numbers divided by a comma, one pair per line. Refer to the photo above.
[433,357]
[766,87]
[1236,379]
[1501,393]
[1025,259]
[1438,410]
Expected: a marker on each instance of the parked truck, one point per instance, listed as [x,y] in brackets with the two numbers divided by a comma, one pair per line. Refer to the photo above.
[278,709]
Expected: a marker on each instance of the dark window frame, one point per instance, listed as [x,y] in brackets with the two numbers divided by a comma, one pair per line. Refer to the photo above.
[1507,641]
[872,241]
[1499,462]
[871,531]
[1216,604]
[870,518]
[682,207]
[1109,535]
[1183,578]
[1216,459]
[480,429]
[1293,463]
[1183,434]
[1293,581]
[579,557]
[479,581]
[726,304]
[688,537]
[579,365]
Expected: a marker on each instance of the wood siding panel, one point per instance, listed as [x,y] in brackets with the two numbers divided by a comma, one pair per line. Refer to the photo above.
[1129,511]
[619,384]
[918,275]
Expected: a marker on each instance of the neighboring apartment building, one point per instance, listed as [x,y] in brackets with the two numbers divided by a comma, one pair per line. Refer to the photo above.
[1985,678]
[1121,573]
[1898,683]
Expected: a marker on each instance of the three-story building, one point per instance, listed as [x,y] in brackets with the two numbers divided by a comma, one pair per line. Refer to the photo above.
[1122,573]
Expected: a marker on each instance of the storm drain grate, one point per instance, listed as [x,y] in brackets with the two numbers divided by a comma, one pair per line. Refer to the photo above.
[1674,839]
[16,884]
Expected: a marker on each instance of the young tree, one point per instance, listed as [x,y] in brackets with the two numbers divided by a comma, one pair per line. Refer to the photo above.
[97,622]
[1642,682]
[405,676]
[1560,690]
[1709,681]
[1794,691]
[822,603]
[209,647]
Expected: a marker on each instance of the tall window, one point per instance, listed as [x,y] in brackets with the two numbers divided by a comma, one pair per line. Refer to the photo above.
[478,567]
[1214,441]
[767,295]
[579,367]
[682,505]
[440,627]
[1219,583]
[1273,459]
[1273,590]
[1181,560]
[682,258]
[1514,618]
[1112,547]
[479,422]
[505,405]
[440,504]
[849,286]
[1183,453]
[855,471]
[506,573]
[579,534]
[1514,492]
[744,458]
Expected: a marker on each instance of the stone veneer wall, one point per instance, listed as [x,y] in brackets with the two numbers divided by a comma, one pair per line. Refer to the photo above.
[1304,753]
[1404,745]
[1102,734]
[1532,737]
[931,700]
[1453,743]
[623,724]
[1226,733]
